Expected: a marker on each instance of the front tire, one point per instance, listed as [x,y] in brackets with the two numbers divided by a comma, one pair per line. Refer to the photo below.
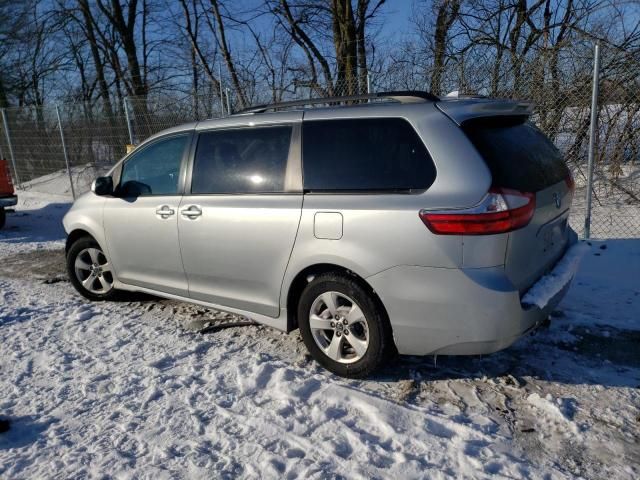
[3,217]
[343,326]
[89,270]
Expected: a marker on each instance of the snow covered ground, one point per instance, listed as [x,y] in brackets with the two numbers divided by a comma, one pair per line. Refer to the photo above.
[35,225]
[130,389]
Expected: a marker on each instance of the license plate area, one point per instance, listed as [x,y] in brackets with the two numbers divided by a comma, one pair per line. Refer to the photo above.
[553,235]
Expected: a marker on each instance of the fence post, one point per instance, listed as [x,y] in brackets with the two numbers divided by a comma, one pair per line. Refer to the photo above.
[592,136]
[368,83]
[221,90]
[64,151]
[228,102]
[10,145]
[125,102]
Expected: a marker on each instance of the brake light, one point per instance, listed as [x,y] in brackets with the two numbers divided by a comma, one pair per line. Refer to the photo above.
[502,210]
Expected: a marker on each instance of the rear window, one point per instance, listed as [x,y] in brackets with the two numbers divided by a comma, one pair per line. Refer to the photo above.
[518,155]
[372,154]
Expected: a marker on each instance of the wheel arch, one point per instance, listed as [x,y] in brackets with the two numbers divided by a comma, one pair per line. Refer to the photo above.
[302,278]
[75,235]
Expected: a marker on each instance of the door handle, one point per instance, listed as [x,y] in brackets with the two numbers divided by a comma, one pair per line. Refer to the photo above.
[165,211]
[192,212]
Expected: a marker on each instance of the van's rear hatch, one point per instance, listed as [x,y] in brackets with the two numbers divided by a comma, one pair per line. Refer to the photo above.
[520,157]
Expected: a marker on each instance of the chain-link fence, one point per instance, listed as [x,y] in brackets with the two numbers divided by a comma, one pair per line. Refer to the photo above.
[61,149]
[616,173]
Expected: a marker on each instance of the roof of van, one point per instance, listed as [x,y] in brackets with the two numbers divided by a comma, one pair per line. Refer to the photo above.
[457,108]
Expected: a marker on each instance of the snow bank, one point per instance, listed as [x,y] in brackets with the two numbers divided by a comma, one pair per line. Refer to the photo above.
[57,183]
[550,285]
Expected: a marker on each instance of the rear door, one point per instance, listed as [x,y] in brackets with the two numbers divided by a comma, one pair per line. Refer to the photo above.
[239,220]
[520,157]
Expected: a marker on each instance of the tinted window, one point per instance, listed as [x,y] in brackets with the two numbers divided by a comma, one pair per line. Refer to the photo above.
[155,169]
[365,154]
[518,155]
[250,160]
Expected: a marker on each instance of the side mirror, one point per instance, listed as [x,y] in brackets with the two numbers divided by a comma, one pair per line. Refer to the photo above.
[133,189]
[102,186]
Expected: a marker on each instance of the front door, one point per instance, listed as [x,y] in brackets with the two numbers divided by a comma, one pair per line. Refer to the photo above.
[239,221]
[141,220]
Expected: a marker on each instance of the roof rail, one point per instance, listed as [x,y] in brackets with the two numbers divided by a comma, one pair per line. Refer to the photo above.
[408,96]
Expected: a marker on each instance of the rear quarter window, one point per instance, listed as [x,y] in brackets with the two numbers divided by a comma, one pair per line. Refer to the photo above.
[517,153]
[369,154]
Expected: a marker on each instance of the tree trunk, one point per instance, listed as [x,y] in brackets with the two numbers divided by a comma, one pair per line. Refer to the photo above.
[97,60]
[137,85]
[222,40]
[345,43]
[311,51]
[363,69]
[448,11]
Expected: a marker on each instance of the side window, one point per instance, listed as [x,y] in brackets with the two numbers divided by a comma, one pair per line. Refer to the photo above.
[155,169]
[247,160]
[370,154]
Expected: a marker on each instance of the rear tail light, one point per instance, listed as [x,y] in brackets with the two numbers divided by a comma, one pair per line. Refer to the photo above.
[502,210]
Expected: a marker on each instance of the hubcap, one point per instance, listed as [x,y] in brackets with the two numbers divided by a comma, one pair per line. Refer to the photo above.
[339,327]
[94,271]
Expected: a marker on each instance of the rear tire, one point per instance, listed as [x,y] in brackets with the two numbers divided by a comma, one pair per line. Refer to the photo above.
[90,271]
[3,217]
[343,326]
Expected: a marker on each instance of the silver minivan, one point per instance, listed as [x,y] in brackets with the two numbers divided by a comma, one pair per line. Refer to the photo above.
[393,222]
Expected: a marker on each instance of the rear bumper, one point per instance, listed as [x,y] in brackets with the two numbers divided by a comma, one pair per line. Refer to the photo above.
[9,201]
[457,311]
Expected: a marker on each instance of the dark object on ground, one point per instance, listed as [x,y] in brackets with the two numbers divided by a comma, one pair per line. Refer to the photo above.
[221,326]
[56,279]
[4,425]
[528,430]
[603,247]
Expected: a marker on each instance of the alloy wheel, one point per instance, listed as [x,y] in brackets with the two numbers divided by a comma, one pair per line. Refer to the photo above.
[339,327]
[93,270]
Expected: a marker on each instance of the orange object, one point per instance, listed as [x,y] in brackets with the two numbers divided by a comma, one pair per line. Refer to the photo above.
[6,185]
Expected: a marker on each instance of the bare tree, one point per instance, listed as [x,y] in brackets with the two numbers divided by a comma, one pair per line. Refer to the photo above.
[88,23]
[13,19]
[226,53]
[198,55]
[125,27]
[447,13]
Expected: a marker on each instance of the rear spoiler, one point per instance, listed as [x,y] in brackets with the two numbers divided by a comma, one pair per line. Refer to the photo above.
[462,110]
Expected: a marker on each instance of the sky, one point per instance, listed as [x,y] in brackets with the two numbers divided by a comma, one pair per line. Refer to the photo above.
[393,20]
